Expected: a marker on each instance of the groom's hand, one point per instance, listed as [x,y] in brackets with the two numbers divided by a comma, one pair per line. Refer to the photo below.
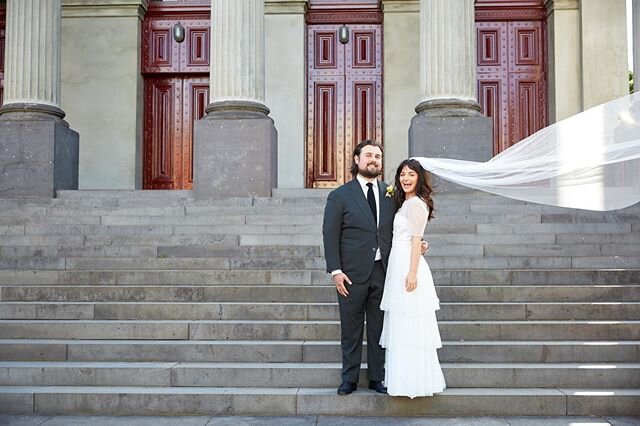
[339,280]
[424,247]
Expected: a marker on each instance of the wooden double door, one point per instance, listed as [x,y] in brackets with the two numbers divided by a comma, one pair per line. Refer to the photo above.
[176,92]
[344,98]
[512,68]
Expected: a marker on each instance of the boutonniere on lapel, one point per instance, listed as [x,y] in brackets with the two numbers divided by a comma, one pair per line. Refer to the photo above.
[390,192]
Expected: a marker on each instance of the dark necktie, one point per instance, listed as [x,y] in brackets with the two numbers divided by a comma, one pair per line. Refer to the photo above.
[372,201]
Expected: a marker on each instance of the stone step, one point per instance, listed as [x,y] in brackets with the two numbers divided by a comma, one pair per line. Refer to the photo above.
[556,228]
[530,277]
[512,293]
[307,294]
[118,240]
[167,277]
[287,375]
[102,216]
[308,311]
[520,239]
[278,195]
[161,251]
[62,251]
[207,263]
[123,194]
[306,351]
[55,220]
[117,400]
[437,251]
[108,215]
[436,262]
[307,330]
[178,228]
[574,250]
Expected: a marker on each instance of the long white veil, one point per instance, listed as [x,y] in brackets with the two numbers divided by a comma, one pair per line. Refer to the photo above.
[589,161]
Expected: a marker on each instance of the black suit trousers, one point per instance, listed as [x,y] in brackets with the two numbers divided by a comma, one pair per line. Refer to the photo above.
[363,297]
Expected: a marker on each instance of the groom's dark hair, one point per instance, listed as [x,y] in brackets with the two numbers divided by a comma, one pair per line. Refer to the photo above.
[357,150]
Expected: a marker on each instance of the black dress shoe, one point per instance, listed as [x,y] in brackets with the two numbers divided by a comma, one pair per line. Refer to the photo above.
[346,388]
[377,386]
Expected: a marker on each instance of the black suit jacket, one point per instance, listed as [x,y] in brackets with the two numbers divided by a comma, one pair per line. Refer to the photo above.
[350,234]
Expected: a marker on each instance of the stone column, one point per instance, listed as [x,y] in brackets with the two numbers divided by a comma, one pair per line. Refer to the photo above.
[605,68]
[565,79]
[39,151]
[235,145]
[448,58]
[285,85]
[448,121]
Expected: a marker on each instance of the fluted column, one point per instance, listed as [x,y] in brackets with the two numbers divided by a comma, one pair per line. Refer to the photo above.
[448,57]
[237,56]
[32,62]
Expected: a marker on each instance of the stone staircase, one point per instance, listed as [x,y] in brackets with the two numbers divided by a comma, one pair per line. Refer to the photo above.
[131,302]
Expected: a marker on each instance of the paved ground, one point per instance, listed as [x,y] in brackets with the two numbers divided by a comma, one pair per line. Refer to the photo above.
[16,420]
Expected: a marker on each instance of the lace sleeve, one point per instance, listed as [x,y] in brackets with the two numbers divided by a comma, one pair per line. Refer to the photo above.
[417,214]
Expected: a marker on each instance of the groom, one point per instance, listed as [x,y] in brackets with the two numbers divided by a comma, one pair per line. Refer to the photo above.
[357,231]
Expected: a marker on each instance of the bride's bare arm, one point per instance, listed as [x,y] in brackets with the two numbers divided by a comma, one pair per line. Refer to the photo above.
[411,281]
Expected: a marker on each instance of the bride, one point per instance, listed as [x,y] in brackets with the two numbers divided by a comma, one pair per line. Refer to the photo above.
[410,332]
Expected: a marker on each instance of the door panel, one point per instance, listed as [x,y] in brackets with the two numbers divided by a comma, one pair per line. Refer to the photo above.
[195,54]
[161,131]
[326,130]
[344,98]
[364,117]
[196,99]
[160,52]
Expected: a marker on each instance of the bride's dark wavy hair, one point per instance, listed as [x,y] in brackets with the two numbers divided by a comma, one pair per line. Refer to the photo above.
[423,187]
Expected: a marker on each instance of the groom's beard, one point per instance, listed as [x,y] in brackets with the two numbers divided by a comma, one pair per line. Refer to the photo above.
[370,172]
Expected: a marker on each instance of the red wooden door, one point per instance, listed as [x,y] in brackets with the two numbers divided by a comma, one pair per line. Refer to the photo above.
[176,92]
[344,98]
[511,73]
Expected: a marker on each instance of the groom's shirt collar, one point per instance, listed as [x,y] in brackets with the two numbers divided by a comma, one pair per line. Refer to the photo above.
[363,184]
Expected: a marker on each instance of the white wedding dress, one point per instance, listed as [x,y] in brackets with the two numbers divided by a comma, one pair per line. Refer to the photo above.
[410,332]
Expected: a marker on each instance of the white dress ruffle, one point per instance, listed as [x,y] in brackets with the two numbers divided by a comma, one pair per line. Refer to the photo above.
[410,332]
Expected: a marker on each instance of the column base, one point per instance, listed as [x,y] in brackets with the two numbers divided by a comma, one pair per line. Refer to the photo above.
[462,138]
[21,111]
[449,108]
[234,157]
[237,109]
[39,154]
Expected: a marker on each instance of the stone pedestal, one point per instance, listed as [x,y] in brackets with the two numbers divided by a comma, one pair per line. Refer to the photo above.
[234,157]
[39,155]
[464,138]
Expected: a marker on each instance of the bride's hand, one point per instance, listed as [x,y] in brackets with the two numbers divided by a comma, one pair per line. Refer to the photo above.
[411,282]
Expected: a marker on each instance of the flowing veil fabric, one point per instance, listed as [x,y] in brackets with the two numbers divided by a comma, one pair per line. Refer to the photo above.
[588,161]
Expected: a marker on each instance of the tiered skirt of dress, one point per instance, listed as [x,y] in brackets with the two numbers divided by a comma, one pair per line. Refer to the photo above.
[410,333]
